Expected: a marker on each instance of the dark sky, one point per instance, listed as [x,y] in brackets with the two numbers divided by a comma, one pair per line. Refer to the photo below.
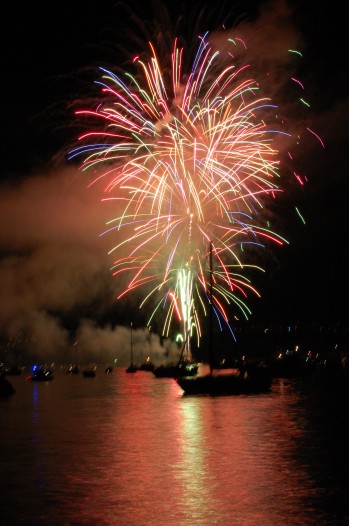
[50,52]
[50,55]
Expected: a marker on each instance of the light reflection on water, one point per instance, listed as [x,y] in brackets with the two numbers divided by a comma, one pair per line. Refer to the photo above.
[130,450]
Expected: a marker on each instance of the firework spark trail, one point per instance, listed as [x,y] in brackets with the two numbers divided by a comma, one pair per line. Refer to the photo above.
[189,162]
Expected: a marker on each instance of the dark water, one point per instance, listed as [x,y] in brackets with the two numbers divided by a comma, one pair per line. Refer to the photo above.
[130,450]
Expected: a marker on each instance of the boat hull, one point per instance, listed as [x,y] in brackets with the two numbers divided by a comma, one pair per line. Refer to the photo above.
[132,369]
[74,369]
[232,383]
[41,374]
[41,377]
[147,366]
[6,388]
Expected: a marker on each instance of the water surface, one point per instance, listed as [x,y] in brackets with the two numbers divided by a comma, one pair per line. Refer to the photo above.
[131,450]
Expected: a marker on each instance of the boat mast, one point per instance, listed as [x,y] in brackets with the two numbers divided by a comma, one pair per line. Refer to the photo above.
[149,336]
[76,352]
[185,349]
[211,315]
[131,345]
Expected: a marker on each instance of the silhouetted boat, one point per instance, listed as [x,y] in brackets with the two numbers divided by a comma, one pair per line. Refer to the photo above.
[147,365]
[185,366]
[248,378]
[41,374]
[90,372]
[251,379]
[132,368]
[6,388]
[73,369]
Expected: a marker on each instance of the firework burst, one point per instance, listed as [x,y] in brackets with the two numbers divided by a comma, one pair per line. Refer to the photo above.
[189,161]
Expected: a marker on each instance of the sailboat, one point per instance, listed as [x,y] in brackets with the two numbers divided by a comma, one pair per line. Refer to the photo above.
[249,378]
[6,388]
[132,368]
[74,368]
[185,366]
[90,372]
[41,373]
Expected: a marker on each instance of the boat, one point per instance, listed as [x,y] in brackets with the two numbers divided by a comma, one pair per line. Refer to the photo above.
[132,368]
[73,369]
[41,373]
[176,369]
[245,378]
[6,388]
[90,372]
[184,366]
[147,365]
[253,378]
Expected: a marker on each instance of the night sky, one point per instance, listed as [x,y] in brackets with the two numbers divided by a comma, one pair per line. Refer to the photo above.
[54,271]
